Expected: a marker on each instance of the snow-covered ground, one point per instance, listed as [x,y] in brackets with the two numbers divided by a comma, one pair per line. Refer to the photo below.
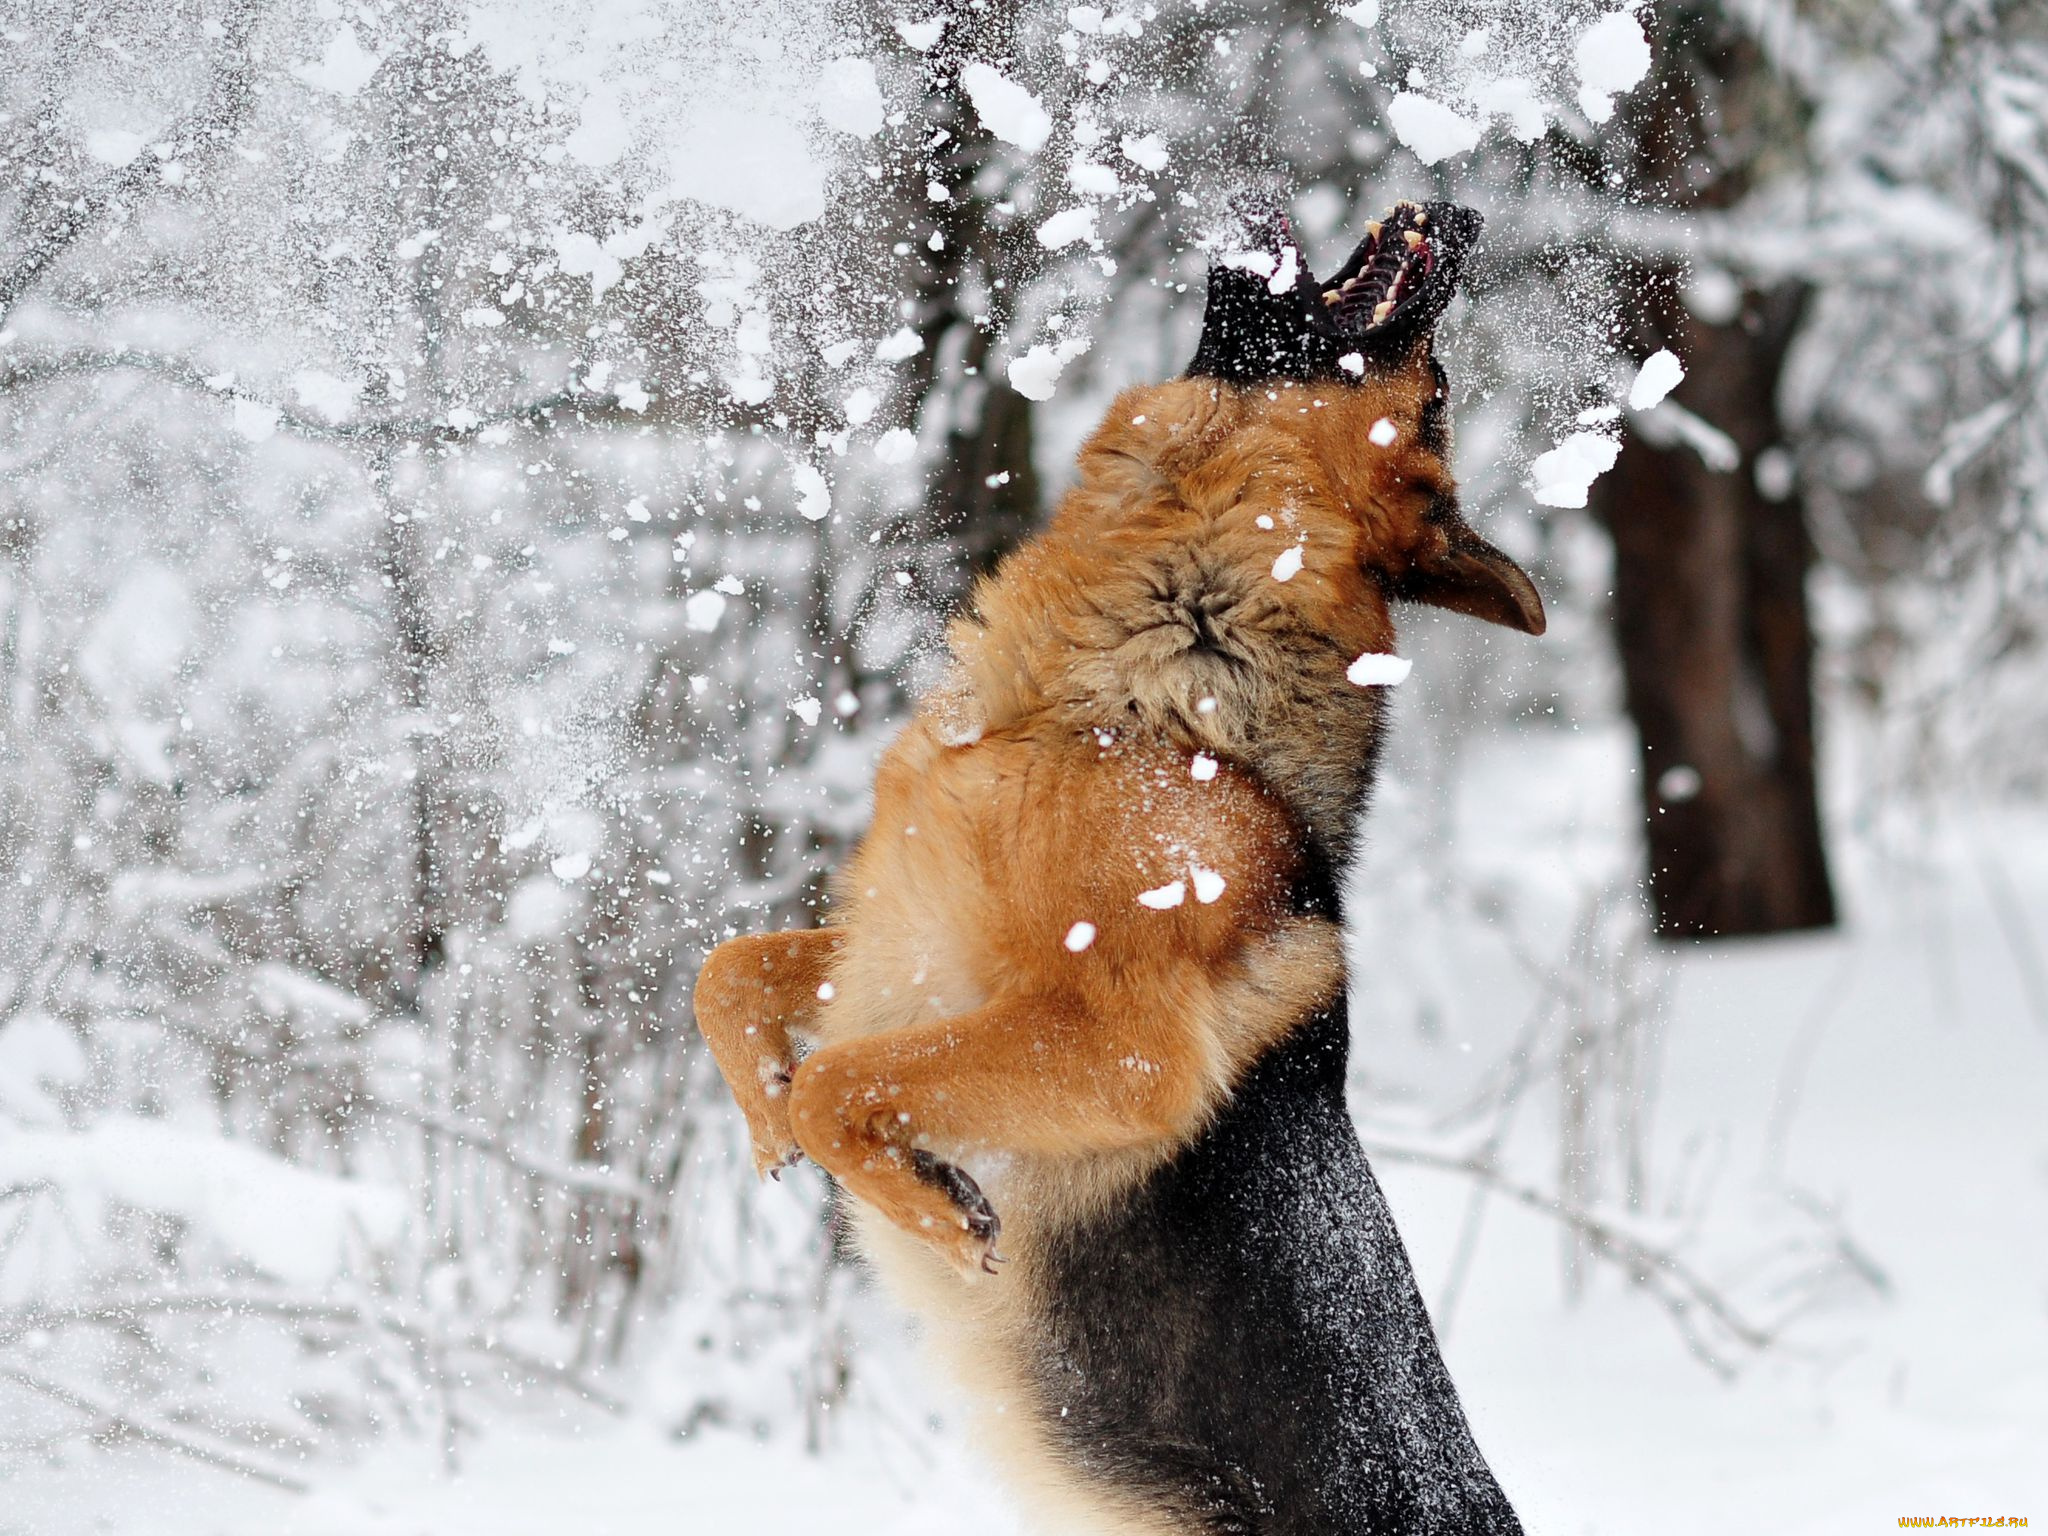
[1896,1071]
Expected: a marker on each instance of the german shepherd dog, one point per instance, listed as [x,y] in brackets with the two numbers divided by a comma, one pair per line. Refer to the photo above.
[1076,1031]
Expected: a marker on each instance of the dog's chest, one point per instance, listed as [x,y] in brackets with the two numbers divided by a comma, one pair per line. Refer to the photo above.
[904,967]
[914,949]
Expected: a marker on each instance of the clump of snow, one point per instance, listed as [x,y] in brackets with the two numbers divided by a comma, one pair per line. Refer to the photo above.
[899,344]
[849,97]
[602,133]
[1036,374]
[806,709]
[703,610]
[1383,433]
[1005,108]
[813,492]
[860,407]
[1250,259]
[1208,884]
[1067,227]
[331,395]
[1366,13]
[344,68]
[921,35]
[1160,898]
[1203,768]
[1285,271]
[584,255]
[1430,129]
[751,161]
[254,421]
[1564,475]
[114,146]
[961,732]
[1377,669]
[1079,937]
[570,866]
[898,445]
[1658,376]
[1516,99]
[1091,178]
[957,716]
[1147,151]
[1353,363]
[1288,564]
[1613,55]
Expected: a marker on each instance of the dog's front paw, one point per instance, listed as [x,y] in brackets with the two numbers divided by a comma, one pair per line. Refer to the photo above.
[969,1240]
[775,1145]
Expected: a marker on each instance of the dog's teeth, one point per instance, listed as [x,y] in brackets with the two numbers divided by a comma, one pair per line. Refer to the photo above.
[1381,310]
[1421,218]
[1332,296]
[1372,229]
[1414,238]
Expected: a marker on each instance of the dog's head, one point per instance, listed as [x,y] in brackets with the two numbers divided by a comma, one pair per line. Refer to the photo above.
[1349,364]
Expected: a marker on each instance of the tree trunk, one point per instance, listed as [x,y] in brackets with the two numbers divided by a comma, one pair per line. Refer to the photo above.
[987,493]
[1710,617]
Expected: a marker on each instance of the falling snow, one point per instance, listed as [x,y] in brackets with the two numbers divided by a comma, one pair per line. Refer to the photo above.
[480,489]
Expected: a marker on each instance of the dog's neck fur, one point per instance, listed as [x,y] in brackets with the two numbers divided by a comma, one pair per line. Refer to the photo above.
[1160,603]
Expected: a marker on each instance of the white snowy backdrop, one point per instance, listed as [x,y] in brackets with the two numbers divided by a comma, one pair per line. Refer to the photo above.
[477,485]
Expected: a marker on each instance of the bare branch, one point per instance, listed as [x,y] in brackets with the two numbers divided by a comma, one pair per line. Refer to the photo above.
[1683,1292]
[121,1311]
[585,1178]
[219,113]
[122,1423]
[700,408]
[188,374]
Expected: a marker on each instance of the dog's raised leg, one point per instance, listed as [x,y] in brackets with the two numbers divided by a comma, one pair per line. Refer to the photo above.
[885,1114]
[750,994]
[888,1114]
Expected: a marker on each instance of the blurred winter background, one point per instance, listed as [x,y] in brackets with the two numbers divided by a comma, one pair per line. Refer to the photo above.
[477,482]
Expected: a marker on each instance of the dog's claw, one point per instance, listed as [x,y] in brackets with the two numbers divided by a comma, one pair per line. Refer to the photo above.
[770,1167]
[977,1216]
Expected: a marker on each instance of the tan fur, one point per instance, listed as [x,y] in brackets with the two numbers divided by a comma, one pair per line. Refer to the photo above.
[1049,782]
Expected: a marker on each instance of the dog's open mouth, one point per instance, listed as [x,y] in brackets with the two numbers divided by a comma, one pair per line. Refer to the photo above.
[1268,319]
[1388,267]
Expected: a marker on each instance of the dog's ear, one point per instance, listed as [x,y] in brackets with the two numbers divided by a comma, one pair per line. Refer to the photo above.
[1464,573]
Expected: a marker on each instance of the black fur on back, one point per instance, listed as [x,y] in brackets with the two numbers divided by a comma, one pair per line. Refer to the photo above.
[1241,1343]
